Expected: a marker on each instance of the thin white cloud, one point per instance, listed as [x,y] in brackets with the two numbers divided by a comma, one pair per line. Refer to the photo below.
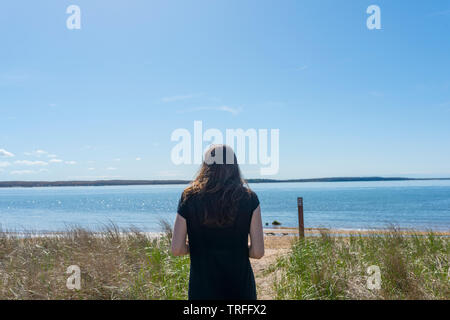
[94,177]
[6,154]
[4,164]
[21,172]
[302,68]
[36,153]
[91,169]
[233,111]
[138,159]
[70,162]
[168,174]
[51,155]
[178,98]
[88,147]
[111,168]
[40,152]
[55,161]
[31,163]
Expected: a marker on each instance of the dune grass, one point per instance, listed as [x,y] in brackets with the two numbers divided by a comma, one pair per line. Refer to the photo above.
[128,264]
[411,267]
[113,264]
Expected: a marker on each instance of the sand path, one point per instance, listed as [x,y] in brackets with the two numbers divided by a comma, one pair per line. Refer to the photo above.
[275,247]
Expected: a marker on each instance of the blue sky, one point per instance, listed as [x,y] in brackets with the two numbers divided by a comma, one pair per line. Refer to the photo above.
[102,102]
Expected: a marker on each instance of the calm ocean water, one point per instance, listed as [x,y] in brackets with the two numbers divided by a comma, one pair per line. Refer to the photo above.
[347,205]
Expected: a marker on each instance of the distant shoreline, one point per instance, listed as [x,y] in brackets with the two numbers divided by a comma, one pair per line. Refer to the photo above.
[268,232]
[100,183]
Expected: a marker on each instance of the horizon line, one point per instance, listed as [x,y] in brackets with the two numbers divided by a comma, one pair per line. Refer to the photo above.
[125,182]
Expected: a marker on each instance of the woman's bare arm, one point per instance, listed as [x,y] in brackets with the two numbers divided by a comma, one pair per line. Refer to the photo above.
[256,249]
[179,246]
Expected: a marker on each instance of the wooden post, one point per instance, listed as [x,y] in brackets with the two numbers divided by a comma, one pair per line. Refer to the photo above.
[301,225]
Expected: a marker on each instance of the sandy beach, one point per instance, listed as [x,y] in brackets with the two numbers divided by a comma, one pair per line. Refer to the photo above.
[275,246]
[284,231]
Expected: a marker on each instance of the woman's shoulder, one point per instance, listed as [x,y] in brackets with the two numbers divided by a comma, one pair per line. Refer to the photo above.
[252,198]
[183,204]
[250,193]
[188,195]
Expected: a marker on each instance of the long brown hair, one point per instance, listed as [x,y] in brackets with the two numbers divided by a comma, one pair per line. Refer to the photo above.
[219,175]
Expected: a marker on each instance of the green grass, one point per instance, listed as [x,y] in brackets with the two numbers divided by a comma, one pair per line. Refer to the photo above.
[113,265]
[131,265]
[411,266]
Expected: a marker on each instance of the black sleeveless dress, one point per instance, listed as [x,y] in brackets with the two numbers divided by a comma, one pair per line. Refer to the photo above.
[220,265]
